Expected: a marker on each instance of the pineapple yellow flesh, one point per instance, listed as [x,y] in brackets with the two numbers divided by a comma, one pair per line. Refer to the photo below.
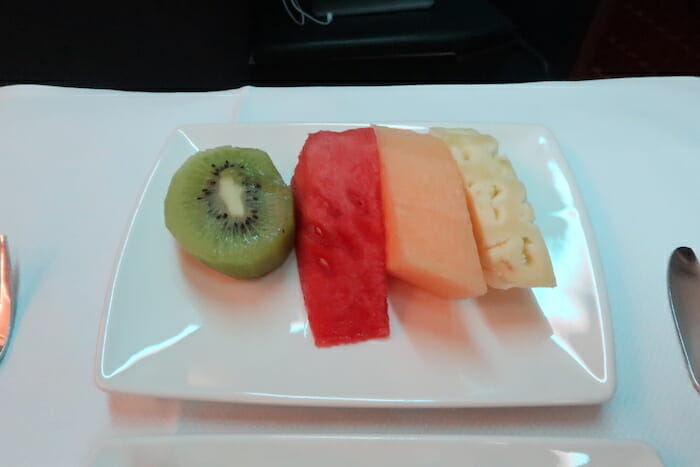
[511,248]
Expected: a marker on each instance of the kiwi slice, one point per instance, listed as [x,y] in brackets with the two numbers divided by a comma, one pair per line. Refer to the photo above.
[230,208]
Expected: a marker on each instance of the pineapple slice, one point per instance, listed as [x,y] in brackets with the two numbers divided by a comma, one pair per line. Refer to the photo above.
[511,248]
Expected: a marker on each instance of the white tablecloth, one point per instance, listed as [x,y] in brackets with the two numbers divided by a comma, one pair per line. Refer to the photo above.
[73,163]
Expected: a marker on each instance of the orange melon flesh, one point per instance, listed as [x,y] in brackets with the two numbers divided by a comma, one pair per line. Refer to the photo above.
[429,237]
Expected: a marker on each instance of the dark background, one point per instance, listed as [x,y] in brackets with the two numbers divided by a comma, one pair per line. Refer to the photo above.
[182,45]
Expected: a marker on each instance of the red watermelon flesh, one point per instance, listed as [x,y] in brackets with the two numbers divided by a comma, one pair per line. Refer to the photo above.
[340,244]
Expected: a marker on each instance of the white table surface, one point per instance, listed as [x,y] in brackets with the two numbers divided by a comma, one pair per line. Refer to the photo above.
[73,163]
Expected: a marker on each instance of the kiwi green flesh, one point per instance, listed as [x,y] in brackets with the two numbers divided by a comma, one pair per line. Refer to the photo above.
[245,238]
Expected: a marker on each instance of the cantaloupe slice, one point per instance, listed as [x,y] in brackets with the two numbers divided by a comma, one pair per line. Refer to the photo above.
[430,242]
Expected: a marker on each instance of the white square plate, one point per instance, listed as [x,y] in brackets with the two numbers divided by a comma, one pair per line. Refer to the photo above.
[174,328]
[395,451]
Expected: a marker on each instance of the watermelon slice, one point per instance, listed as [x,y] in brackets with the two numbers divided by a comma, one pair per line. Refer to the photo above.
[340,245]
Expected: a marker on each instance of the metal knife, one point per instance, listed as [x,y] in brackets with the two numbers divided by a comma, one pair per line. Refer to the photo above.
[6,299]
[684,294]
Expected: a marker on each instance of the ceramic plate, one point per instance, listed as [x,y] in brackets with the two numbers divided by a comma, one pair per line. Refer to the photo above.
[397,451]
[174,328]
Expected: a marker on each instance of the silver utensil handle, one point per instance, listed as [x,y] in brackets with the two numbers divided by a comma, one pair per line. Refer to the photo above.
[5,295]
[684,292]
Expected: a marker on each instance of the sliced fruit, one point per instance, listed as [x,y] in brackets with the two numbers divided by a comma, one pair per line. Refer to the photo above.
[340,237]
[230,208]
[430,242]
[511,247]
